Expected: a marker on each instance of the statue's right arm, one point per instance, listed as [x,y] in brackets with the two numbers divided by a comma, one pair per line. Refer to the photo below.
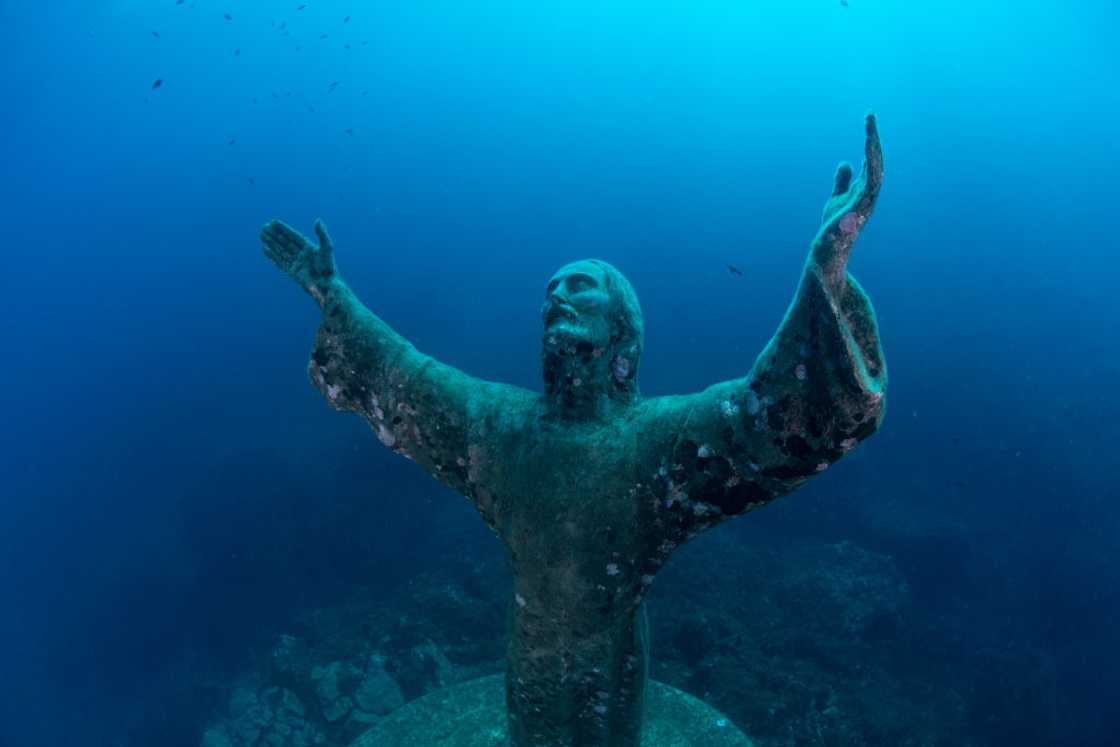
[428,411]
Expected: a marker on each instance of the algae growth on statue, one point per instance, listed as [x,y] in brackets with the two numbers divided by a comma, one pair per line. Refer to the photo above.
[591,487]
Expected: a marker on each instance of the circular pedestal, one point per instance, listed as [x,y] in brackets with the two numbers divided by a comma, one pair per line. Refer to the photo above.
[473,714]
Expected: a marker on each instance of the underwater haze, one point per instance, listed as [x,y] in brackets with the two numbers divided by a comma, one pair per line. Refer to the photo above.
[177,497]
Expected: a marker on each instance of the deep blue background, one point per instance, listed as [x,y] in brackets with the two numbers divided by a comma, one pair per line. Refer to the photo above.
[166,467]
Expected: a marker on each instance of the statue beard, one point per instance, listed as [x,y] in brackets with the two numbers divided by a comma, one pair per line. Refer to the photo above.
[575,370]
[585,369]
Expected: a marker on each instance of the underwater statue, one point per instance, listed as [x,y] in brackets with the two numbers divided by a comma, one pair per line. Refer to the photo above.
[590,486]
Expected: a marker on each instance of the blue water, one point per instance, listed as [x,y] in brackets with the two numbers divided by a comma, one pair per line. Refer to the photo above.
[173,486]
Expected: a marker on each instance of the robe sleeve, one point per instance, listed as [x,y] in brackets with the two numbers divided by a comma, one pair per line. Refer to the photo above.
[428,411]
[813,394]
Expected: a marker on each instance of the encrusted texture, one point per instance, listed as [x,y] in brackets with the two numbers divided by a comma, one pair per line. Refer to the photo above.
[471,715]
[590,487]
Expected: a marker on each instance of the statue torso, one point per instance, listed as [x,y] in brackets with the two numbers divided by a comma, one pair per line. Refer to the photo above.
[576,519]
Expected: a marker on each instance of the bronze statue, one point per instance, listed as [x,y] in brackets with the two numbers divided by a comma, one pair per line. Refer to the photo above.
[589,486]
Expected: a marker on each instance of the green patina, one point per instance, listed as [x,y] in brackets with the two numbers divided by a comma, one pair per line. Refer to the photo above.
[589,486]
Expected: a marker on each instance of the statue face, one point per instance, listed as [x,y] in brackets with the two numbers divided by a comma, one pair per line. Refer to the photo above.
[577,303]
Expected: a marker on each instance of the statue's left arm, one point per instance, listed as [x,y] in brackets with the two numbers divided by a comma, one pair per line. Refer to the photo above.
[813,394]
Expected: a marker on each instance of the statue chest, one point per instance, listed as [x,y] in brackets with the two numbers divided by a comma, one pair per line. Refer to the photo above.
[574,474]
[572,520]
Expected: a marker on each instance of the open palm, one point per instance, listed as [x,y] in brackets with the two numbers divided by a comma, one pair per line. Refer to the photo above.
[310,265]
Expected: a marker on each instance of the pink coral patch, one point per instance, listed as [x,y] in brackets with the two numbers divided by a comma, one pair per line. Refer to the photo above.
[850,223]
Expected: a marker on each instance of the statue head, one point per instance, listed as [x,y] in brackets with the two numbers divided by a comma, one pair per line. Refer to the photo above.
[592,335]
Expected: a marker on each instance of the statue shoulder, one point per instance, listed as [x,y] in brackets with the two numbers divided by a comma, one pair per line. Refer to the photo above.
[502,407]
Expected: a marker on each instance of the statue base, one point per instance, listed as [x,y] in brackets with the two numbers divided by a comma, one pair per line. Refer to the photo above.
[473,714]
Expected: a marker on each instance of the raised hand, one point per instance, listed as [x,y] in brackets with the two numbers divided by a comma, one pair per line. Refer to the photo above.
[849,208]
[309,265]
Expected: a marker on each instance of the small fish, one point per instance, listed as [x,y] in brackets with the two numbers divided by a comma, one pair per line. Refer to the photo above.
[735,271]
[254,99]
[365,43]
[322,36]
[232,141]
[301,7]
[178,2]
[349,131]
[227,16]
[311,108]
[348,46]
[275,95]
[237,53]
[156,34]
[283,25]
[843,3]
[251,182]
[346,19]
[157,83]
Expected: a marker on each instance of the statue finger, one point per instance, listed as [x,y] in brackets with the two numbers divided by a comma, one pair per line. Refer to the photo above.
[275,248]
[325,245]
[843,178]
[873,149]
[871,176]
[279,259]
[283,238]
